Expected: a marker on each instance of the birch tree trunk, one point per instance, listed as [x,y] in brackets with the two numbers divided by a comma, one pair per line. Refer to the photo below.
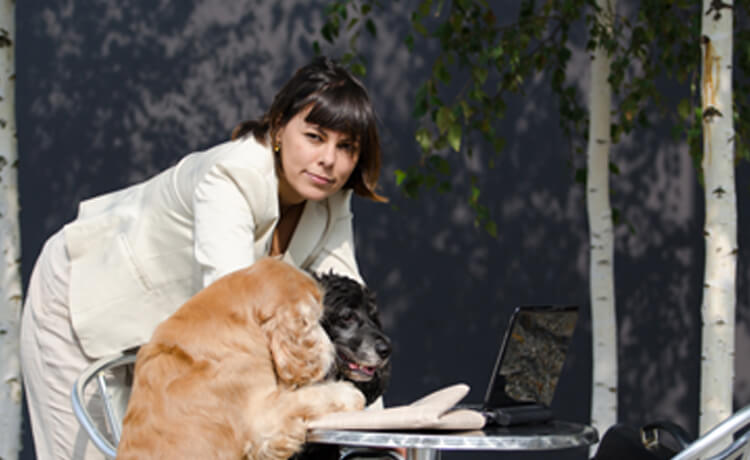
[10,280]
[603,319]
[719,290]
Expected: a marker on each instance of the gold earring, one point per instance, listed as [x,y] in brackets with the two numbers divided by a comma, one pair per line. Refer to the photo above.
[277,148]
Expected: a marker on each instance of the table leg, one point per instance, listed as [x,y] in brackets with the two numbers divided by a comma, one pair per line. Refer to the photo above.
[422,454]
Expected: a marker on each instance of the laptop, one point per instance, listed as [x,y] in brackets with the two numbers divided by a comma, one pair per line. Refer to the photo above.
[528,366]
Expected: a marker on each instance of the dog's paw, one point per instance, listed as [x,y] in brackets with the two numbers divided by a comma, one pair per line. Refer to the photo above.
[345,397]
[285,443]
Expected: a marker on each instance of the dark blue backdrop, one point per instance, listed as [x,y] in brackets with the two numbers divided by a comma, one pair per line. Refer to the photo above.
[110,92]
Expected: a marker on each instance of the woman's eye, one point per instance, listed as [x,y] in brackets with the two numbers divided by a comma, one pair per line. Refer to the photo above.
[314,136]
[349,148]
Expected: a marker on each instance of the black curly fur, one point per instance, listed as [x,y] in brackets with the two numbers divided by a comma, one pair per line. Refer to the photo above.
[350,317]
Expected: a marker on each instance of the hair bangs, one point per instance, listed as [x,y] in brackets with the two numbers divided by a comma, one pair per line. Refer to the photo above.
[343,109]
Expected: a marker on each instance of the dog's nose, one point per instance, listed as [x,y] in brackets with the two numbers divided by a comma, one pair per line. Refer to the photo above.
[383,347]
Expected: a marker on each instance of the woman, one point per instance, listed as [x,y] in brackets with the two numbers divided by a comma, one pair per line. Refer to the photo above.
[280,187]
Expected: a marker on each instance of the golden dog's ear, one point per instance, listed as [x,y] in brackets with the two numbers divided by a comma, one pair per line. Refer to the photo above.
[300,347]
[287,305]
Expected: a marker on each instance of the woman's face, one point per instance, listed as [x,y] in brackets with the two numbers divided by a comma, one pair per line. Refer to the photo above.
[316,162]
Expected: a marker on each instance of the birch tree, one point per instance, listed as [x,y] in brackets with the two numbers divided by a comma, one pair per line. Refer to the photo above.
[715,124]
[601,237]
[720,231]
[10,282]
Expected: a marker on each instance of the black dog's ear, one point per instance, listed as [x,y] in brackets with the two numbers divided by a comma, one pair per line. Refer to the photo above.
[328,277]
[372,304]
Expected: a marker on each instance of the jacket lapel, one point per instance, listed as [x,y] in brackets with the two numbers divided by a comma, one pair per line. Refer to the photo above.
[308,234]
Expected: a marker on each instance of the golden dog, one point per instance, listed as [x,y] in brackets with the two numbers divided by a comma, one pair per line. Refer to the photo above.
[232,374]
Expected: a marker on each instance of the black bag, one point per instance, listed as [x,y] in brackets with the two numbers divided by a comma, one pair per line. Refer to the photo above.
[623,442]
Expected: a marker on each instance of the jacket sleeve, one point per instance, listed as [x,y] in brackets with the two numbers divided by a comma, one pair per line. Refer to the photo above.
[227,202]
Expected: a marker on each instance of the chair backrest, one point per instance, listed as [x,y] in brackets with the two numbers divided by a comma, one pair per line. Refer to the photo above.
[113,398]
[731,433]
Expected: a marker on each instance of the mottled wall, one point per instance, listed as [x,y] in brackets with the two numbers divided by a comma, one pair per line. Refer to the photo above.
[110,92]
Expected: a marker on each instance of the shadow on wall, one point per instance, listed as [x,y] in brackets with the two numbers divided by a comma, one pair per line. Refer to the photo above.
[116,91]
[112,93]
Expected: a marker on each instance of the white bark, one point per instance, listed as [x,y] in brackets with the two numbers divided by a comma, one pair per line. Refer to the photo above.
[601,263]
[719,290]
[10,281]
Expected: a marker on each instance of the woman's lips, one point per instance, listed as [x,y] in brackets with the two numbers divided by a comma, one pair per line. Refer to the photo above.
[320,180]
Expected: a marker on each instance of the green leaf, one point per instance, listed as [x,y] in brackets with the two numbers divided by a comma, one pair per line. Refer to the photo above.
[440,143]
[424,139]
[342,10]
[441,72]
[480,74]
[474,194]
[327,32]
[615,216]
[496,52]
[412,183]
[498,144]
[683,109]
[454,136]
[424,7]
[430,180]
[370,26]
[444,119]
[440,164]
[491,227]
[332,8]
[420,28]
[420,103]
[359,69]
[409,42]
[743,152]
[400,176]
[466,109]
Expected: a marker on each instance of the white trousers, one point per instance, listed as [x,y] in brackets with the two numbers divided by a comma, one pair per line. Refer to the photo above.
[52,358]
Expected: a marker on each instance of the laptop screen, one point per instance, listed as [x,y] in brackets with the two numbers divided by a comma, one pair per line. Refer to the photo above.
[532,356]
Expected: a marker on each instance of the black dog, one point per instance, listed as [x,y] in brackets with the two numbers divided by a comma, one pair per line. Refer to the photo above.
[363,351]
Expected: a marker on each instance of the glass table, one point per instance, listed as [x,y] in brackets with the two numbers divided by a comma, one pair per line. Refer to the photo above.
[426,445]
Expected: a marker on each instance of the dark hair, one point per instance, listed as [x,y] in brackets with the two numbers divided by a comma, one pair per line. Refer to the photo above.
[338,102]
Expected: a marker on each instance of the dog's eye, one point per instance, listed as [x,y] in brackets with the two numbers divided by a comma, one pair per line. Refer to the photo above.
[347,317]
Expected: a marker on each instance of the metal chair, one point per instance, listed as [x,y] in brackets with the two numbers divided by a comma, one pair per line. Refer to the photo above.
[114,402]
[732,433]
[113,398]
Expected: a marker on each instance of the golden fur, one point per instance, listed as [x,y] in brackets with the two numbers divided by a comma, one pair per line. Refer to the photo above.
[231,375]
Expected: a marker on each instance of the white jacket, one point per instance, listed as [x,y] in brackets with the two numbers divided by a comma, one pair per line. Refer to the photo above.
[139,253]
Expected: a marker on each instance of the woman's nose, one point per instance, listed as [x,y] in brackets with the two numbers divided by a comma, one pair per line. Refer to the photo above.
[328,154]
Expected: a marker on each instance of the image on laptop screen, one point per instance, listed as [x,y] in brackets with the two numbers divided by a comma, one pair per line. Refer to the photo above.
[533,355]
